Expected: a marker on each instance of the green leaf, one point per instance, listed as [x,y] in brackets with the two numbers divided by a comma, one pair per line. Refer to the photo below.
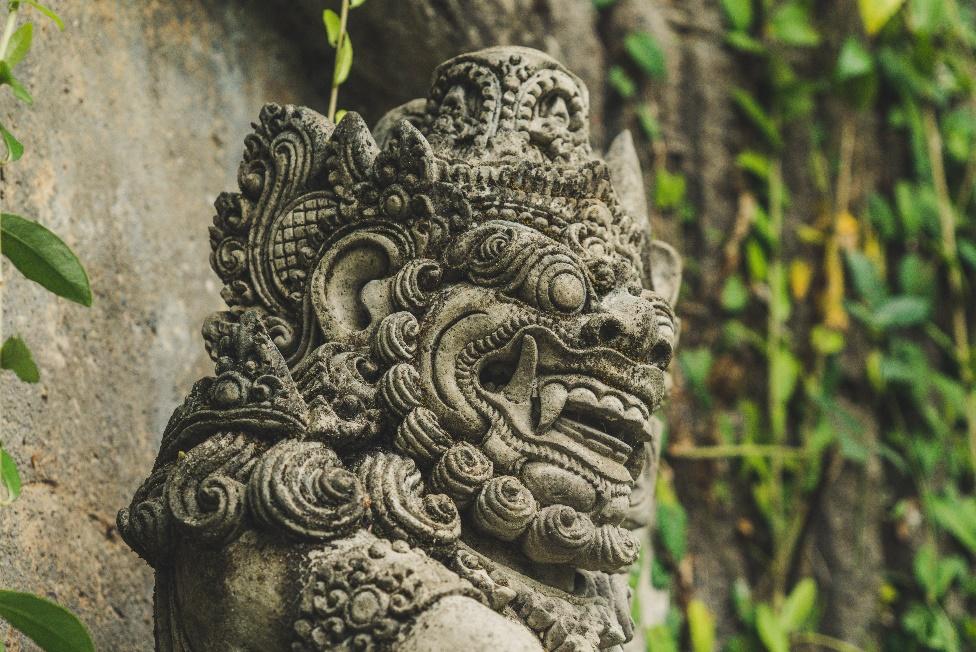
[901,311]
[355,3]
[621,82]
[745,43]
[659,638]
[603,4]
[15,355]
[798,607]
[669,189]
[343,61]
[332,26]
[696,364]
[784,369]
[14,147]
[646,53]
[791,25]
[752,161]
[866,279]
[772,635]
[340,114]
[958,517]
[876,13]
[926,16]
[42,257]
[916,276]
[672,522]
[854,61]
[701,627]
[9,478]
[648,123]
[51,626]
[752,109]
[7,77]
[735,294]
[47,12]
[826,341]
[19,44]
[739,13]
[882,217]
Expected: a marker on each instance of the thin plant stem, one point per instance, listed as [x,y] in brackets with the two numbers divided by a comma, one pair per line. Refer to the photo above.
[334,95]
[950,252]
[823,641]
[8,30]
[735,450]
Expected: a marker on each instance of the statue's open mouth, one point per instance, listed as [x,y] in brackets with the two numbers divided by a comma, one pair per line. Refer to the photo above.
[593,405]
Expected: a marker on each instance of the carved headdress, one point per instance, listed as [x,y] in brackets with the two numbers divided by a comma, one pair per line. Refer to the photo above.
[433,387]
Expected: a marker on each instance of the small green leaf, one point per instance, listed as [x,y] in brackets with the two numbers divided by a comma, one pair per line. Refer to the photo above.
[739,13]
[659,638]
[791,25]
[752,161]
[876,13]
[42,257]
[752,109]
[47,12]
[621,82]
[355,3]
[15,356]
[9,478]
[332,26]
[745,43]
[826,341]
[798,606]
[51,626]
[866,279]
[343,61]
[19,44]
[603,4]
[14,147]
[340,114]
[770,632]
[701,627]
[735,294]
[669,189]
[901,311]
[672,524]
[648,123]
[958,517]
[646,53]
[854,61]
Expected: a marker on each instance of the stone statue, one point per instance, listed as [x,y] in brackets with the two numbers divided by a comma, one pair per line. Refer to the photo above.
[430,425]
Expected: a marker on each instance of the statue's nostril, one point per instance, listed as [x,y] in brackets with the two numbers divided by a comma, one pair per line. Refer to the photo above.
[660,354]
[609,331]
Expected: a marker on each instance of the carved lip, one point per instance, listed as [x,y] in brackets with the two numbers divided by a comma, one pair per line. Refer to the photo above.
[594,404]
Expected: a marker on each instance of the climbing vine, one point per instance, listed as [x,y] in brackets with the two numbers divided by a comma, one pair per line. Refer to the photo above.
[42,257]
[865,299]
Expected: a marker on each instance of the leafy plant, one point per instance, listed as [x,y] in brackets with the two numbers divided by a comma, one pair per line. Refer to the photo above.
[335,30]
[44,258]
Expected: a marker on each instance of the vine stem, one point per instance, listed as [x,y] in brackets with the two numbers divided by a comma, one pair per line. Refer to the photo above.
[824,641]
[334,95]
[735,450]
[950,252]
[8,30]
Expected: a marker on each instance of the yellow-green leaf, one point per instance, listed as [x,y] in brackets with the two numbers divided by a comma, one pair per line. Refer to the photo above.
[343,61]
[355,3]
[9,479]
[44,258]
[798,606]
[51,626]
[332,26]
[14,147]
[47,12]
[19,44]
[701,627]
[875,14]
[771,633]
[340,114]
[15,356]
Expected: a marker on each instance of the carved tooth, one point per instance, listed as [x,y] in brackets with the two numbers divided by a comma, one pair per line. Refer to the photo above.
[519,389]
[612,404]
[584,396]
[552,399]
[633,414]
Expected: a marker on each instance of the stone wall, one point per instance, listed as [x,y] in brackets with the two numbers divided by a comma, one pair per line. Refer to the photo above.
[140,111]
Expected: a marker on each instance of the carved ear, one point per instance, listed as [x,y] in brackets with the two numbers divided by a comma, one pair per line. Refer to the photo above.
[628,182]
[350,290]
[665,270]
[413,112]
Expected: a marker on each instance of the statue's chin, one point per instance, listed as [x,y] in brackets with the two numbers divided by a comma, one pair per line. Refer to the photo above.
[559,576]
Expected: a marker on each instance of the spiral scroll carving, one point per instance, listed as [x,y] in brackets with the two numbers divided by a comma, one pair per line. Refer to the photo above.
[460,472]
[299,487]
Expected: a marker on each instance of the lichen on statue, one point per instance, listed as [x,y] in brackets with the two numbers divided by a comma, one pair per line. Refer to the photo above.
[431,423]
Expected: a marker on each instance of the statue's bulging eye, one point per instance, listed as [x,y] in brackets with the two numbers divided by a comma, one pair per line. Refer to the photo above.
[559,285]
[567,292]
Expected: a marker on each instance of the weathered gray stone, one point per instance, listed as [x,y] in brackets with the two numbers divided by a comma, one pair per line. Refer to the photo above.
[434,386]
[139,111]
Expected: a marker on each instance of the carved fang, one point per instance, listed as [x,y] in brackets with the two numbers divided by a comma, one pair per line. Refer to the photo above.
[519,389]
[552,400]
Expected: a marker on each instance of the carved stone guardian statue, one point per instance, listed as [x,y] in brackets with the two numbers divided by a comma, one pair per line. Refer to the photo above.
[430,425]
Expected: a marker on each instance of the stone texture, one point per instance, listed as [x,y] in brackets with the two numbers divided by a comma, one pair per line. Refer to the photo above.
[140,109]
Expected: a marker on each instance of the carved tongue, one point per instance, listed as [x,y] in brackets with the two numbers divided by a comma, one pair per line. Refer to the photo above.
[552,400]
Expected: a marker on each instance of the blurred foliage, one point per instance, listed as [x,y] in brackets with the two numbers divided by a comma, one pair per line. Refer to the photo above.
[873,293]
